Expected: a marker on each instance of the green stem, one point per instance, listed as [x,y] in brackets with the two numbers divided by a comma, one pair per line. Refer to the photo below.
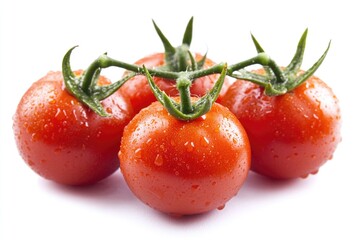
[110,62]
[90,77]
[204,72]
[181,56]
[243,64]
[183,85]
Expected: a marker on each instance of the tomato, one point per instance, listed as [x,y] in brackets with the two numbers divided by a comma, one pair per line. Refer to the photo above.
[184,167]
[139,92]
[64,141]
[291,135]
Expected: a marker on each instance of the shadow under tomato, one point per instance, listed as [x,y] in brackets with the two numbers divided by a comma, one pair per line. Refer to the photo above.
[183,220]
[109,191]
[258,187]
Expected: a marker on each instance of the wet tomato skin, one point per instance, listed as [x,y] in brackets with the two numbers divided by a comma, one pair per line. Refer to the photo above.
[139,93]
[182,167]
[291,135]
[64,141]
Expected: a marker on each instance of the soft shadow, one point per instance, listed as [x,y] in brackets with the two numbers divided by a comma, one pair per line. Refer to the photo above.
[110,191]
[183,220]
[259,187]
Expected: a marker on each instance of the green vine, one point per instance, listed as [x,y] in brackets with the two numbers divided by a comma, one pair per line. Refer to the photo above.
[181,67]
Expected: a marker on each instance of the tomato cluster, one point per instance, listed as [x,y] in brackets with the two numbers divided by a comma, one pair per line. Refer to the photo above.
[180,151]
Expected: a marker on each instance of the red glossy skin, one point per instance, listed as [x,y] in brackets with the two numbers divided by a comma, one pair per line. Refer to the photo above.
[138,91]
[64,141]
[182,167]
[291,135]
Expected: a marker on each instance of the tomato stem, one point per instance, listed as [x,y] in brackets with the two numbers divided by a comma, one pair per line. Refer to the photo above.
[181,66]
[281,81]
[179,59]
[183,84]
[186,110]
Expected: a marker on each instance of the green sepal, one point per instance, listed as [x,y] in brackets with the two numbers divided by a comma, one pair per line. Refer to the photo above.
[73,86]
[281,81]
[177,59]
[303,77]
[188,32]
[102,92]
[169,49]
[259,49]
[194,64]
[201,62]
[296,61]
[200,107]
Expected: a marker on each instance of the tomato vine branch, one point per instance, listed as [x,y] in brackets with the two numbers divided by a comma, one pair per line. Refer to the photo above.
[182,68]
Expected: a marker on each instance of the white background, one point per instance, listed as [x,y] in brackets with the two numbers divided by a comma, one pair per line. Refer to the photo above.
[36,34]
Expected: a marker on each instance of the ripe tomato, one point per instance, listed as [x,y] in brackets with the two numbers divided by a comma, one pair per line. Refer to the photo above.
[64,141]
[139,92]
[291,135]
[182,167]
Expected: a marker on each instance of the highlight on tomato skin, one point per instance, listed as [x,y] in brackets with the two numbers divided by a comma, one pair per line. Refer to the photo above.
[291,135]
[64,141]
[184,167]
[137,89]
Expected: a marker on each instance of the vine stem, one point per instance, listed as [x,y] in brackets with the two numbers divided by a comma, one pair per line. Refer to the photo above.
[183,85]
[105,61]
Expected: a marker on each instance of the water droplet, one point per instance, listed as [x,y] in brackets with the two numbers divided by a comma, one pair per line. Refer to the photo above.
[195,186]
[315,116]
[213,183]
[52,101]
[58,110]
[109,110]
[138,153]
[305,175]
[33,137]
[30,163]
[221,207]
[204,141]
[189,146]
[98,134]
[207,203]
[177,173]
[158,160]
[203,117]
[148,141]
[315,172]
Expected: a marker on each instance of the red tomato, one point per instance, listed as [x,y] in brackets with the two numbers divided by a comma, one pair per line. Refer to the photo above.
[64,141]
[291,135]
[139,92]
[183,167]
